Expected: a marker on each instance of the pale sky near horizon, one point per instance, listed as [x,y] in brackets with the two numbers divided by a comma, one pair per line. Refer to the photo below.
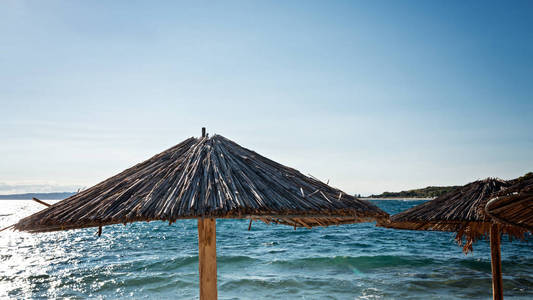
[374,96]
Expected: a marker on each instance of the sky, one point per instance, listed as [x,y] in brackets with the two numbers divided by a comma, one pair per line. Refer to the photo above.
[371,95]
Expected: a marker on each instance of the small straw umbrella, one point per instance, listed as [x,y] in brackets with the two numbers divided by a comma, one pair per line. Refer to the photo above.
[514,205]
[462,210]
[205,178]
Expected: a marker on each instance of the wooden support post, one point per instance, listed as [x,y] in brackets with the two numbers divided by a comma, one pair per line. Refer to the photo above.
[207,255]
[41,202]
[5,228]
[496,262]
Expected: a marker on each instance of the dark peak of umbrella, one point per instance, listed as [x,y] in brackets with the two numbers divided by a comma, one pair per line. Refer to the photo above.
[514,205]
[205,177]
[522,184]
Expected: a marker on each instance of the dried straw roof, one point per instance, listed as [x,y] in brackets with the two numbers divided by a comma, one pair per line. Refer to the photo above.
[514,205]
[460,210]
[205,177]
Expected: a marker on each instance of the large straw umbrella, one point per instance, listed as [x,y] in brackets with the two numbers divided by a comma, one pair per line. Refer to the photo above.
[205,178]
[514,205]
[462,210]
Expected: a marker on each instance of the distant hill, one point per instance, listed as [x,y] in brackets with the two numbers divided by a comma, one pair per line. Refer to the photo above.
[428,192]
[41,196]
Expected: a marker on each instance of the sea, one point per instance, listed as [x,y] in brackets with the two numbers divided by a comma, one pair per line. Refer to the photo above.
[157,261]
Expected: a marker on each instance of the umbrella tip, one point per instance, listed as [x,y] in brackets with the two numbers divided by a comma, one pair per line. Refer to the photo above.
[203,131]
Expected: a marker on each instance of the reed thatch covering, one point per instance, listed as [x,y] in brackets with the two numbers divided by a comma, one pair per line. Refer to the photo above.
[461,210]
[205,177]
[514,205]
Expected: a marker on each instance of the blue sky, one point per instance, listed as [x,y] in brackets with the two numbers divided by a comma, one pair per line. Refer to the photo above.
[374,96]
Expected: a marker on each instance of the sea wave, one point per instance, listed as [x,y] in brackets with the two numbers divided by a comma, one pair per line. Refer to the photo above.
[362,263]
[154,260]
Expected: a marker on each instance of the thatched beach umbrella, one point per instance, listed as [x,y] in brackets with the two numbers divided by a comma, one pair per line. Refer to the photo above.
[514,205]
[462,211]
[205,178]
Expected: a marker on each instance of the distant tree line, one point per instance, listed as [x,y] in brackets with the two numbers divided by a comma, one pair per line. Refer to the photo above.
[428,192]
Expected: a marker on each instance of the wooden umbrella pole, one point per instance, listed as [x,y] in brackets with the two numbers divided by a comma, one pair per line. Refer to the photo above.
[496,262]
[207,253]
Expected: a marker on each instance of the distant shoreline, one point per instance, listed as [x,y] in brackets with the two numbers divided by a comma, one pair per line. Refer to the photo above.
[41,196]
[429,192]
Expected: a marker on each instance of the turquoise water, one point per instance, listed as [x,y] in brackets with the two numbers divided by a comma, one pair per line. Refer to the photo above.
[154,260]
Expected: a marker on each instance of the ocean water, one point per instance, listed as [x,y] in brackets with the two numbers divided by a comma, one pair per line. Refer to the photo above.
[157,261]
